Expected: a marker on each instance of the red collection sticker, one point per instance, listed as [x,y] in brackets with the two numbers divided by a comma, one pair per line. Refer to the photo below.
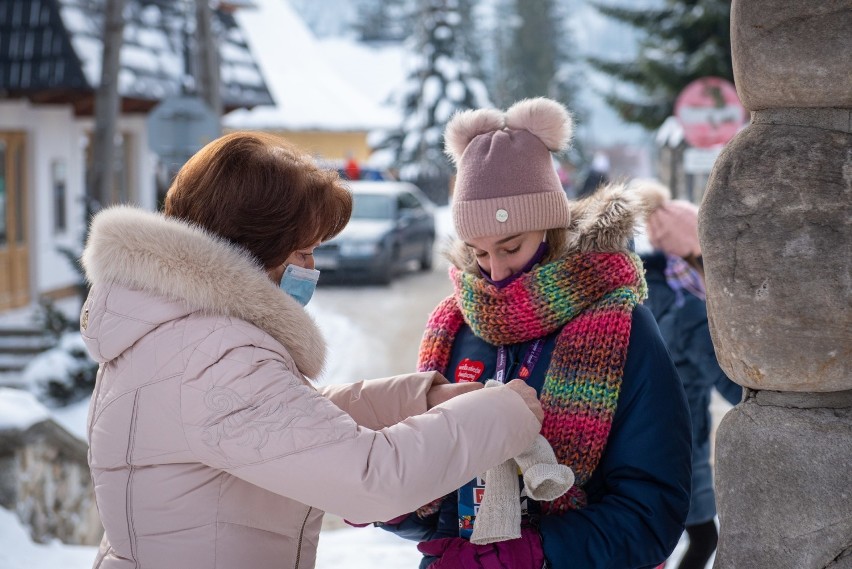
[478,495]
[469,370]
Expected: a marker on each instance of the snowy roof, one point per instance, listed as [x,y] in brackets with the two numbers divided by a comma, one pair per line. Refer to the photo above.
[377,70]
[20,409]
[58,46]
[310,93]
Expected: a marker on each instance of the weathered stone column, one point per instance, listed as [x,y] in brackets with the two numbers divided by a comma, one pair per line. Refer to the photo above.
[775,234]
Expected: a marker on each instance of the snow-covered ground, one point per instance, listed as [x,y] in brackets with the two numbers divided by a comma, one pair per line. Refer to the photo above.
[17,551]
[363,548]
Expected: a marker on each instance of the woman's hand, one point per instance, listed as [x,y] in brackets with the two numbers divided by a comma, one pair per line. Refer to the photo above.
[440,392]
[529,396]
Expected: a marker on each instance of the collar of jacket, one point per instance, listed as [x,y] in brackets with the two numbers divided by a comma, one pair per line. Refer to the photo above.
[182,262]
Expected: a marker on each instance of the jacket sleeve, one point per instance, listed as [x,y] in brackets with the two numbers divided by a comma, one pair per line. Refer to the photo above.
[414,528]
[644,474]
[245,412]
[379,403]
[698,347]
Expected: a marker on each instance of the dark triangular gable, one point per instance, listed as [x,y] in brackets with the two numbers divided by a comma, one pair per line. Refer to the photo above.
[50,52]
[35,51]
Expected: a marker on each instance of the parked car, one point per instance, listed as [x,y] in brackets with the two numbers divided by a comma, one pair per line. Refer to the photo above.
[392,226]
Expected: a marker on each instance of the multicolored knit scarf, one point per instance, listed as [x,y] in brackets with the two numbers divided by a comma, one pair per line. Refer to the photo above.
[591,297]
[680,277]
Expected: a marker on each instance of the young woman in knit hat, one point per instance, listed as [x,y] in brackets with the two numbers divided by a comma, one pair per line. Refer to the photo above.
[546,291]
[676,297]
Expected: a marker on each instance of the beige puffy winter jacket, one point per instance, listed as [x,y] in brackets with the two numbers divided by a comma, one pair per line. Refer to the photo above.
[209,448]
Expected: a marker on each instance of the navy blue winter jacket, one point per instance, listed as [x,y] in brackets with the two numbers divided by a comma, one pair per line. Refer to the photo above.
[685,329]
[638,495]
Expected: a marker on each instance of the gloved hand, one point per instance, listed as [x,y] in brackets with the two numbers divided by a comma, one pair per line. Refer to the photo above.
[457,553]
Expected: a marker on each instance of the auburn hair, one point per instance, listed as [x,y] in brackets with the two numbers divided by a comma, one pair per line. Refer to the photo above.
[261,193]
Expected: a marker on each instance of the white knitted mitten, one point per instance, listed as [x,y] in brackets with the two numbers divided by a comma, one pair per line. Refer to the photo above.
[499,516]
[544,478]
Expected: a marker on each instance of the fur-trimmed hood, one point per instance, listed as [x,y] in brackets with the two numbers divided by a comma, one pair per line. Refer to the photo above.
[601,222]
[184,264]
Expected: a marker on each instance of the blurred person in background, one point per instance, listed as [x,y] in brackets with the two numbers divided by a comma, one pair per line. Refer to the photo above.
[547,291]
[352,170]
[596,177]
[675,275]
[209,446]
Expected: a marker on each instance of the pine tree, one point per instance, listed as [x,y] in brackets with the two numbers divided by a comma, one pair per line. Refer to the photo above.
[531,53]
[685,40]
[439,83]
[534,55]
[384,20]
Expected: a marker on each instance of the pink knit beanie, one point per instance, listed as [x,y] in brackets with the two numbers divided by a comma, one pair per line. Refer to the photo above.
[672,225]
[506,183]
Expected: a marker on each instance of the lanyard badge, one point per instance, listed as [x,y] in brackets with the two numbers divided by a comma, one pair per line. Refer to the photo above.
[528,364]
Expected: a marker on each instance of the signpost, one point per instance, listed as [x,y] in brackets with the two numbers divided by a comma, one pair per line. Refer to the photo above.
[700,160]
[180,126]
[710,112]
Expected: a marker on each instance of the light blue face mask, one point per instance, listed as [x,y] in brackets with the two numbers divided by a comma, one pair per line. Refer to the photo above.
[300,283]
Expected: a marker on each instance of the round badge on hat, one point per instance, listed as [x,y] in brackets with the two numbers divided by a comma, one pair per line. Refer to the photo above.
[502,215]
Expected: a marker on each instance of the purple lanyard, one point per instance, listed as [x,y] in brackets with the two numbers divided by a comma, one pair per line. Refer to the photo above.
[530,359]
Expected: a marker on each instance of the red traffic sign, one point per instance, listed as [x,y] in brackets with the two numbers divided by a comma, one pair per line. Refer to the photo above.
[710,112]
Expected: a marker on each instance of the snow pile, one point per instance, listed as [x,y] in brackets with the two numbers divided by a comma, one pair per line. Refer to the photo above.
[19,410]
[73,418]
[17,550]
[62,375]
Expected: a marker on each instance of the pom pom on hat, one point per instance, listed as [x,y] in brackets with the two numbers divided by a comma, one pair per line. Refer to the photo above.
[672,225]
[546,119]
[506,182]
[652,193]
[467,125]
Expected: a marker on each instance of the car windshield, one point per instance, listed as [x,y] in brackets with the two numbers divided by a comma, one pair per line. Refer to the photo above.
[372,206]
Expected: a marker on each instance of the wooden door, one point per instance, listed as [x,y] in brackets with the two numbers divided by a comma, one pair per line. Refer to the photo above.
[14,230]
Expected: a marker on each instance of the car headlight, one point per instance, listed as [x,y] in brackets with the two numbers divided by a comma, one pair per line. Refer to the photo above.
[358,248]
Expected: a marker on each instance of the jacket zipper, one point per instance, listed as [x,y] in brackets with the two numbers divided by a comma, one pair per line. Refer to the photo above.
[301,535]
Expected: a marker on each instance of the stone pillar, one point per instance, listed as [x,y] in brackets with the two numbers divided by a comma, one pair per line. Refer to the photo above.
[775,234]
[45,479]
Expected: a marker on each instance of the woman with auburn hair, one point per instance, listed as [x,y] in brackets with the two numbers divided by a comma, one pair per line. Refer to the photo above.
[209,445]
